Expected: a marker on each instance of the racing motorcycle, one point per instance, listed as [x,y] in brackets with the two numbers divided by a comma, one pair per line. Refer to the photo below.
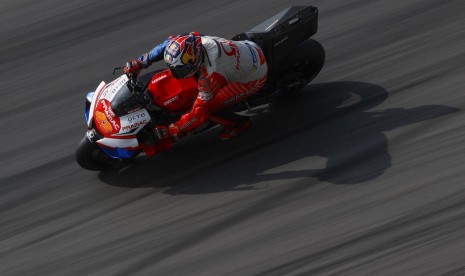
[120,123]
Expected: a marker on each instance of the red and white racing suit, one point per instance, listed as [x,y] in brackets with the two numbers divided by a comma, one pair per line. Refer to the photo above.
[231,72]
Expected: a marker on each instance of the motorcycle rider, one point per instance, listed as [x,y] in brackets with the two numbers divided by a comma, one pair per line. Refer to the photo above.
[227,72]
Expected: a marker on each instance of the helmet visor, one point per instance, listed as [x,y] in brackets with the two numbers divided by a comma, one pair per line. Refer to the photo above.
[184,71]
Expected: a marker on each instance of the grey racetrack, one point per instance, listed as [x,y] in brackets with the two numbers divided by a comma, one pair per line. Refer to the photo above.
[360,173]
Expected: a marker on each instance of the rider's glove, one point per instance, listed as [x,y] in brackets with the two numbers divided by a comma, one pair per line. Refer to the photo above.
[132,68]
[167,132]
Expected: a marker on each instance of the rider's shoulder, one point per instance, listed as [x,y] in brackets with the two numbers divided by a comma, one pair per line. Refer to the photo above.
[211,45]
[207,39]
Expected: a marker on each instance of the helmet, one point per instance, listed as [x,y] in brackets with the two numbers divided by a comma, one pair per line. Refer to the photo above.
[183,55]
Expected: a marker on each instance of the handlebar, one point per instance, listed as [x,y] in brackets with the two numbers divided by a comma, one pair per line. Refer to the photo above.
[137,89]
[117,68]
[131,77]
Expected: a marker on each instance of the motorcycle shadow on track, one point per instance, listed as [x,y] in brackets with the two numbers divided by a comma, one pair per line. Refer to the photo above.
[326,132]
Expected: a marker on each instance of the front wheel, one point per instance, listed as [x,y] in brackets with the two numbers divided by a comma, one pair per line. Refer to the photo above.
[91,157]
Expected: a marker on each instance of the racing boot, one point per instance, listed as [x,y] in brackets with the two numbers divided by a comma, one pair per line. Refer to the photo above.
[233,124]
[230,132]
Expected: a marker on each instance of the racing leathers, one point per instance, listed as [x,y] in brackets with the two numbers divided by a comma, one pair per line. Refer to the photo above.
[230,72]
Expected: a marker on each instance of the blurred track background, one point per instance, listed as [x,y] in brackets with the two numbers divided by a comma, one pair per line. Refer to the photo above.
[361,173]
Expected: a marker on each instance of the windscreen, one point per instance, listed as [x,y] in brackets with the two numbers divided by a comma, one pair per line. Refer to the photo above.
[124,102]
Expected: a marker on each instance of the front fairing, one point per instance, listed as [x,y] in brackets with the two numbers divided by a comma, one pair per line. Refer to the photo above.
[116,118]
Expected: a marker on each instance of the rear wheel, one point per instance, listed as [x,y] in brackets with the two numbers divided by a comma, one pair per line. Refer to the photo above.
[91,157]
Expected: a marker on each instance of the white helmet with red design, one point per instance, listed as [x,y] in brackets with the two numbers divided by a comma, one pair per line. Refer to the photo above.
[183,55]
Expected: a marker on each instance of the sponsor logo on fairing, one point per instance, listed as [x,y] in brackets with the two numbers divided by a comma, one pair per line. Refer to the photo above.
[136,117]
[134,125]
[171,100]
[102,121]
[134,121]
[90,135]
[110,115]
[112,88]
[159,78]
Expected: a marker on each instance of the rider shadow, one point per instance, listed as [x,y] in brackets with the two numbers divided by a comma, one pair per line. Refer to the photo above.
[324,132]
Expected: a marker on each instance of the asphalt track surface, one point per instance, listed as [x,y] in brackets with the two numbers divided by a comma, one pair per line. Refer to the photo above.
[361,173]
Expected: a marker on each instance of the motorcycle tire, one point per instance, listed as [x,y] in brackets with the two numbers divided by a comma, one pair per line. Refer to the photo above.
[91,157]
